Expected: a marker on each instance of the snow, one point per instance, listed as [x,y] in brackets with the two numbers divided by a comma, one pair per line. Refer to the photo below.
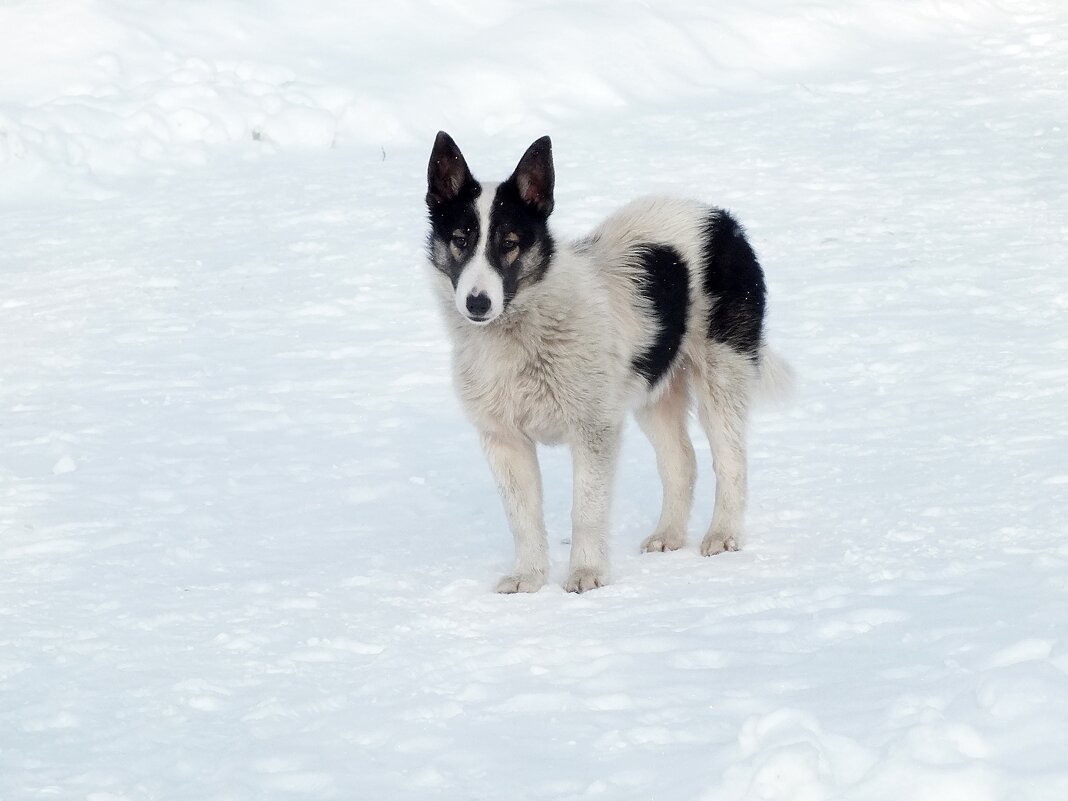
[248,539]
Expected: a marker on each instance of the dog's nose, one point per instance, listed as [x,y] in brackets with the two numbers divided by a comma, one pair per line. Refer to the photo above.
[478,304]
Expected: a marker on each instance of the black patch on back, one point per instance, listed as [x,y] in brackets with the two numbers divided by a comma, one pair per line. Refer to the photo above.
[509,214]
[734,284]
[665,283]
[459,213]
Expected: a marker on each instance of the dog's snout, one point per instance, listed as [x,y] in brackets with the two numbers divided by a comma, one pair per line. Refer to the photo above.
[479,294]
[478,304]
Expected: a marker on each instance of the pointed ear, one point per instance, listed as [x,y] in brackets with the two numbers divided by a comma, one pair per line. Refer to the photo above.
[447,173]
[536,177]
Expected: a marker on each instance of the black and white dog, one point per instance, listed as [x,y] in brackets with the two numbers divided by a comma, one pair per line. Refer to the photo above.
[555,342]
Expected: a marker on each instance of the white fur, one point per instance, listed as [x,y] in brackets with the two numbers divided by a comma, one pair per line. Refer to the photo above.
[476,278]
[556,368]
[778,381]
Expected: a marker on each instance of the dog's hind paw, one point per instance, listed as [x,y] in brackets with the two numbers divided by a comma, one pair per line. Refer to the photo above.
[521,582]
[718,542]
[583,579]
[663,541]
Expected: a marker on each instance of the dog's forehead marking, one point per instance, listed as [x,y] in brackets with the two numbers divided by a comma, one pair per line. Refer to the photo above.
[484,208]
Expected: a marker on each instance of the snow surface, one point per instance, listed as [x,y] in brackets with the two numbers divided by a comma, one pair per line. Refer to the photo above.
[247,539]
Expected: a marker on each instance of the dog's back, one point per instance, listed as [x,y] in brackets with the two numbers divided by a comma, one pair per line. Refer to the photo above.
[724,292]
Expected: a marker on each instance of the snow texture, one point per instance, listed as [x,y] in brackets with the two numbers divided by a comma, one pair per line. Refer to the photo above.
[248,541]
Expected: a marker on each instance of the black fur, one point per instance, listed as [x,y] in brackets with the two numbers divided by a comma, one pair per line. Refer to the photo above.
[734,283]
[450,216]
[535,176]
[451,194]
[665,283]
[510,214]
[447,174]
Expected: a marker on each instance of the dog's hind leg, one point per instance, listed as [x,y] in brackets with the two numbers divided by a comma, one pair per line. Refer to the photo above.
[664,422]
[722,387]
[514,462]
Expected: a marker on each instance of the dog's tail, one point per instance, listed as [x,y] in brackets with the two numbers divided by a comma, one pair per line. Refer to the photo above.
[776,379]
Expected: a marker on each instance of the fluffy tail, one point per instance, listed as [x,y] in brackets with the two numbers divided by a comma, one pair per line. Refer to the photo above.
[776,380]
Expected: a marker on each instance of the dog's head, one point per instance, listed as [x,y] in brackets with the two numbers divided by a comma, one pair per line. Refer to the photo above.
[493,241]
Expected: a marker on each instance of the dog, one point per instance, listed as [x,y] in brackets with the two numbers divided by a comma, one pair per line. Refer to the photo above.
[557,341]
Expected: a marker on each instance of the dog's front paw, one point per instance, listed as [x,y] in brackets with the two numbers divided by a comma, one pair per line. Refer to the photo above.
[718,542]
[583,579]
[521,582]
[664,541]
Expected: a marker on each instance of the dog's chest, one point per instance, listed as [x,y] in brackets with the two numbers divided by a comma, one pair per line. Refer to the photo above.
[538,388]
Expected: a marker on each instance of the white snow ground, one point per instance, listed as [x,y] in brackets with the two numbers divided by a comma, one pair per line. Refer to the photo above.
[247,539]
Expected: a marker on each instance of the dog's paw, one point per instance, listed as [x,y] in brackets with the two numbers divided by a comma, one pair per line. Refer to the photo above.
[584,579]
[664,541]
[718,542]
[521,582]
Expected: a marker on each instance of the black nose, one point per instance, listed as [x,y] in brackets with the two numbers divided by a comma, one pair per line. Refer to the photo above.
[479,304]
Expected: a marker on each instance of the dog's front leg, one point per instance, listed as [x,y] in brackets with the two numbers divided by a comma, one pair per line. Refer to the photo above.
[513,459]
[593,454]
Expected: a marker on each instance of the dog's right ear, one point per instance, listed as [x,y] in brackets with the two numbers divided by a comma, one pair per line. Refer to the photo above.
[535,176]
[447,173]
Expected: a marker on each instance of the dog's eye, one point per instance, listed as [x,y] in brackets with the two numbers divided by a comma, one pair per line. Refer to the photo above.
[508,245]
[460,242]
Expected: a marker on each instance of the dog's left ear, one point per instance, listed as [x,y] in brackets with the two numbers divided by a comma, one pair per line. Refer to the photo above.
[535,176]
[447,174]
